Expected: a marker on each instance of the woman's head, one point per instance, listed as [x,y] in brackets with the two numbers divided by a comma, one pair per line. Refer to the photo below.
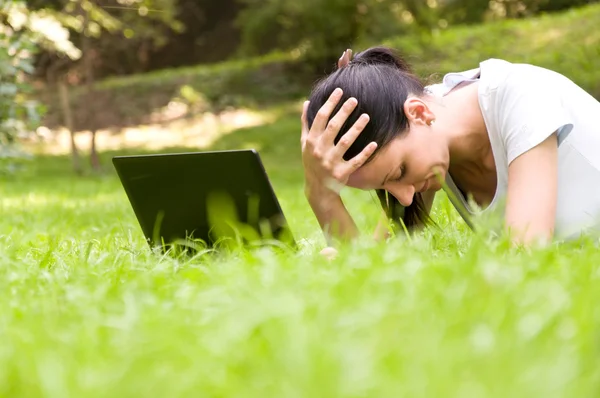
[381,82]
[393,98]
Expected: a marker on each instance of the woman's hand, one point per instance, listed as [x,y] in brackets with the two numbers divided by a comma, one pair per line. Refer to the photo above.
[345,58]
[330,253]
[326,171]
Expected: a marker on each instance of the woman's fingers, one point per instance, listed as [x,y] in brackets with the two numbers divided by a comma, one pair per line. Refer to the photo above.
[329,253]
[343,61]
[360,159]
[336,122]
[345,58]
[318,141]
[348,139]
[322,118]
[304,122]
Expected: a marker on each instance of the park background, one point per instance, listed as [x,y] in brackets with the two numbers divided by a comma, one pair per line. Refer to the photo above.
[88,310]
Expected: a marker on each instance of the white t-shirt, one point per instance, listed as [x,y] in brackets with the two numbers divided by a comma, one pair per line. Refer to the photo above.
[522,105]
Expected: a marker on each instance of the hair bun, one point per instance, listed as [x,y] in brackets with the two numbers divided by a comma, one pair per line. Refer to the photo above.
[381,56]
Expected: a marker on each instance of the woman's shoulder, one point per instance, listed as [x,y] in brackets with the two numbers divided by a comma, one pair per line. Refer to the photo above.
[497,73]
[451,80]
[493,69]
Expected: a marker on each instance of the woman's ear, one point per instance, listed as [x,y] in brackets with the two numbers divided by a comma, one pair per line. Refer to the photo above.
[417,112]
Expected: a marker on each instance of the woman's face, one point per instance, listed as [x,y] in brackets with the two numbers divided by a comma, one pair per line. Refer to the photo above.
[415,162]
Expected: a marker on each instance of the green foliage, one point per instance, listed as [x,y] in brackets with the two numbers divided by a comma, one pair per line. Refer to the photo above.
[140,22]
[145,18]
[320,28]
[317,28]
[133,99]
[19,115]
[23,32]
[127,17]
[42,27]
[72,16]
[114,32]
[474,11]
[567,42]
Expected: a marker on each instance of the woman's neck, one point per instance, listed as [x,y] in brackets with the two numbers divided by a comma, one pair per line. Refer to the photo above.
[468,140]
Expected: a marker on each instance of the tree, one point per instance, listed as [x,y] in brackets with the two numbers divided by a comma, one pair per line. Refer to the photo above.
[22,32]
[319,29]
[94,27]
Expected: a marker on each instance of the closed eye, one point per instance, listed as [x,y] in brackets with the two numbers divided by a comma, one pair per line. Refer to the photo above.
[402,173]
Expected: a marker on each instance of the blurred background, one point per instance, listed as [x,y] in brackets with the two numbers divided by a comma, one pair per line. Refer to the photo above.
[79,77]
[89,311]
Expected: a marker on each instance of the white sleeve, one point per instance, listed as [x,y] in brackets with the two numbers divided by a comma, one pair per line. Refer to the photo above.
[530,110]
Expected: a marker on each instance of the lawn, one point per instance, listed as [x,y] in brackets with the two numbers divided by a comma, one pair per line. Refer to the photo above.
[89,311]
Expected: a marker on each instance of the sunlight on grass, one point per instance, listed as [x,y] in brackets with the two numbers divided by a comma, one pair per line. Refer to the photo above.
[89,310]
[33,201]
[547,37]
[200,131]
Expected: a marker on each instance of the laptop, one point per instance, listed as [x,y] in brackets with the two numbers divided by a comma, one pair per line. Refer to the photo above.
[203,199]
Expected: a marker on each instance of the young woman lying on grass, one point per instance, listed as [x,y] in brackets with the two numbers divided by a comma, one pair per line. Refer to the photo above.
[514,136]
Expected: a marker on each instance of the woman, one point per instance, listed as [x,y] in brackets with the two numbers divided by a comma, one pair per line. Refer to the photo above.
[514,137]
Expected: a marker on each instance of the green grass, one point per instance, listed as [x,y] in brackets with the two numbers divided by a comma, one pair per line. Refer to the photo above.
[87,310]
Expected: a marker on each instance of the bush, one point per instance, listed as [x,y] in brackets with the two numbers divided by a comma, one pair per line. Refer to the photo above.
[568,42]
[19,115]
[132,100]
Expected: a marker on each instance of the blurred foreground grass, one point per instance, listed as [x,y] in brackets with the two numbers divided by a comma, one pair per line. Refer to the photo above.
[88,310]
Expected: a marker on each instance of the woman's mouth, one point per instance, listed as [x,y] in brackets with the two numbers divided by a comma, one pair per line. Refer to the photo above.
[424,187]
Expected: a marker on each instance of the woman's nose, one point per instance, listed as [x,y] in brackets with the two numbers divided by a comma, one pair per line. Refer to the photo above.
[404,193]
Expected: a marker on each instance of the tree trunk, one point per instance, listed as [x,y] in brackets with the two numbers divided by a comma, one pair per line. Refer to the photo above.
[88,72]
[94,158]
[68,121]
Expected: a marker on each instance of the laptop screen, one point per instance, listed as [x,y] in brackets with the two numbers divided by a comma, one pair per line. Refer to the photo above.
[207,196]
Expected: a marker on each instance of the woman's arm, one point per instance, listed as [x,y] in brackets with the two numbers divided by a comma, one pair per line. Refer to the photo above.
[334,219]
[532,193]
[326,170]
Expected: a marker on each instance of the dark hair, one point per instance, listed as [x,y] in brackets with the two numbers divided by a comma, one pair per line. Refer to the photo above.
[381,82]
